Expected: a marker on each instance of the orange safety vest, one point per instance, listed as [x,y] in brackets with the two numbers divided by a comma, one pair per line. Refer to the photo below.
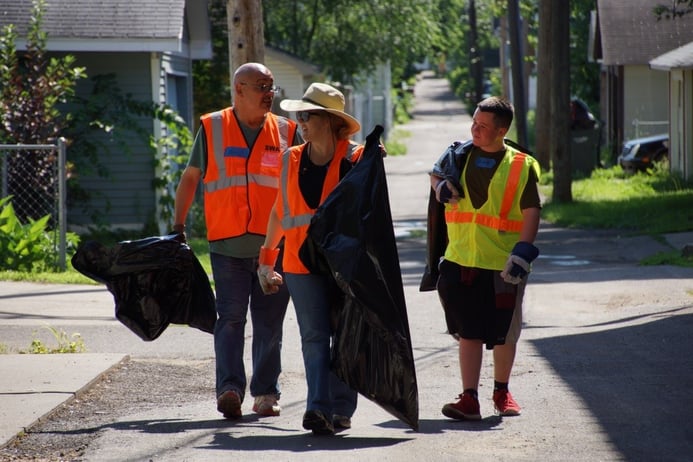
[483,237]
[240,183]
[294,213]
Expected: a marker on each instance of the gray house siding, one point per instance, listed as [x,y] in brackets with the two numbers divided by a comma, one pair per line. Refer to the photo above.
[149,45]
[126,196]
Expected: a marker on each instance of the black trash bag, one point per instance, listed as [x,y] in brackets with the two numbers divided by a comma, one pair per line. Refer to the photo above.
[351,235]
[155,281]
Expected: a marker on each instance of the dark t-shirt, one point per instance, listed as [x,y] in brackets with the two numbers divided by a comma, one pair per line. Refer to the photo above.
[311,177]
[481,166]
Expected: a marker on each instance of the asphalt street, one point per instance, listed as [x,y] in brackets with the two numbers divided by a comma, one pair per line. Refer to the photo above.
[603,369]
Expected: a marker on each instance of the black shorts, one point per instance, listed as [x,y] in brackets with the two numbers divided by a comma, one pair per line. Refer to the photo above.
[478,304]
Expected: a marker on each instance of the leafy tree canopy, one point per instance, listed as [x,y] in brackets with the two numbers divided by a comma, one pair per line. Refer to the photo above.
[347,37]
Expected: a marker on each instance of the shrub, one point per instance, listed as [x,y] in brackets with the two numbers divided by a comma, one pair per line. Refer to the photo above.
[28,247]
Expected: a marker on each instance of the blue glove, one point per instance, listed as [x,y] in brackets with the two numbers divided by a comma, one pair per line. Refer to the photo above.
[519,261]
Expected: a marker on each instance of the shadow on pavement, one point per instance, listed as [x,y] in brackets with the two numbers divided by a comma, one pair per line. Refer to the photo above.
[635,381]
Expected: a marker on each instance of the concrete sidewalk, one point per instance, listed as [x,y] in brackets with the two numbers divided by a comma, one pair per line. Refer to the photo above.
[603,370]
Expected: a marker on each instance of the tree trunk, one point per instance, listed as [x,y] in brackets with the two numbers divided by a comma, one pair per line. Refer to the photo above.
[544,87]
[475,61]
[517,68]
[246,33]
[559,122]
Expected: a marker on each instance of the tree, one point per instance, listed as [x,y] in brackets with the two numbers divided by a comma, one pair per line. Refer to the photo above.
[554,82]
[517,66]
[476,63]
[347,38]
[33,87]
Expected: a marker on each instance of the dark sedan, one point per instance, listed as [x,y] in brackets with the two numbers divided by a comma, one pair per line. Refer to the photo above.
[640,154]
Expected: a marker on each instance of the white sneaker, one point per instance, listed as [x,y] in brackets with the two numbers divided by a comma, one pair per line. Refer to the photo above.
[267,405]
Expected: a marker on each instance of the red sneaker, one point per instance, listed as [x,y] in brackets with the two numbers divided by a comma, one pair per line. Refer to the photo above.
[505,404]
[467,408]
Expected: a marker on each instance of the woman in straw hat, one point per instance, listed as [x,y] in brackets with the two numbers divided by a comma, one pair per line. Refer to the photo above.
[309,172]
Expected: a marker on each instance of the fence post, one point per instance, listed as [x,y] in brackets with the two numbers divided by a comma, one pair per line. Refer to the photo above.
[62,203]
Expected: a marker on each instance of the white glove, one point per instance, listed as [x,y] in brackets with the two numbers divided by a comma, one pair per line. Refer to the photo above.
[515,261]
[518,264]
[446,192]
[269,279]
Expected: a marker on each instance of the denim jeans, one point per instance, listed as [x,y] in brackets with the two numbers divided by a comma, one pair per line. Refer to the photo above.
[326,392]
[236,284]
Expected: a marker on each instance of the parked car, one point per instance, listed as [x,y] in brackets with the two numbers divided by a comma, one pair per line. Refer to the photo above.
[640,154]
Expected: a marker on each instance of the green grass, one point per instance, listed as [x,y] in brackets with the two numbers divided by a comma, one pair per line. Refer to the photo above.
[654,204]
[395,144]
[200,248]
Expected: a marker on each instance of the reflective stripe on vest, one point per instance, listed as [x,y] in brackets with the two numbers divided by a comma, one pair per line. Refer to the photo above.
[288,220]
[224,181]
[241,181]
[501,222]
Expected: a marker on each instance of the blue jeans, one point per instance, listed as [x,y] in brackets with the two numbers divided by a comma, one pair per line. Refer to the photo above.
[236,283]
[326,392]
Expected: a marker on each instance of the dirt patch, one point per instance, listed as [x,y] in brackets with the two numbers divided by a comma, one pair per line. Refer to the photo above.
[138,384]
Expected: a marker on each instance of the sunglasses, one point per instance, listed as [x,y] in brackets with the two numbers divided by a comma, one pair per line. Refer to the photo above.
[262,88]
[304,116]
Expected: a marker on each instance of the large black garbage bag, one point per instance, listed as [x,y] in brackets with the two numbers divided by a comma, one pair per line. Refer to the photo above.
[155,281]
[352,238]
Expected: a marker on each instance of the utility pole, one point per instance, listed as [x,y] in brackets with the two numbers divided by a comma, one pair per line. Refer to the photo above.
[246,33]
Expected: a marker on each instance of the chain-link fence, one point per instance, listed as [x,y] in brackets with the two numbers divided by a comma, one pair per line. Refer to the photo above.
[35,176]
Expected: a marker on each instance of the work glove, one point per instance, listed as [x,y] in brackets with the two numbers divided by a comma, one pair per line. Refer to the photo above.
[445,192]
[179,230]
[270,280]
[519,261]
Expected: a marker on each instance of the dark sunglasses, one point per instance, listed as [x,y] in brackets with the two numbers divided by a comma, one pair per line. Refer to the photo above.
[304,116]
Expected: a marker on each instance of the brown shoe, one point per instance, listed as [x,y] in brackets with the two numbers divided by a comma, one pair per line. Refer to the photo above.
[229,404]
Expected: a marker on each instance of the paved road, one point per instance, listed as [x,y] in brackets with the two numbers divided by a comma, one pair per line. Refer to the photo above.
[603,371]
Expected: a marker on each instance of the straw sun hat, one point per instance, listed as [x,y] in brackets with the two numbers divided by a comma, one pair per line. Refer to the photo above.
[325,98]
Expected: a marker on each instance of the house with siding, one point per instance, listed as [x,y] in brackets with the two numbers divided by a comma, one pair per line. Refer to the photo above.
[678,65]
[635,95]
[149,45]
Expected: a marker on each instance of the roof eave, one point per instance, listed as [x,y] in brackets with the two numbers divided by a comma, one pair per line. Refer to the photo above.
[110,45]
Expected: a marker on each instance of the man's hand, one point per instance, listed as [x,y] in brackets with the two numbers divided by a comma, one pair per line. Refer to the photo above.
[180,231]
[519,262]
[446,192]
[270,280]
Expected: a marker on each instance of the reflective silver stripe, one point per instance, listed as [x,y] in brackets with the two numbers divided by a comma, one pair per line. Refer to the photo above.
[289,221]
[264,180]
[225,182]
[351,147]
[218,140]
[294,222]
[283,125]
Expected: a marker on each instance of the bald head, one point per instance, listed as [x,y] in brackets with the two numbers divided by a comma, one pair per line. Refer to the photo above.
[252,99]
[252,72]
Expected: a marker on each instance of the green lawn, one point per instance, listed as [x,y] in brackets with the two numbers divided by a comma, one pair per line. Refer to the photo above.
[653,204]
